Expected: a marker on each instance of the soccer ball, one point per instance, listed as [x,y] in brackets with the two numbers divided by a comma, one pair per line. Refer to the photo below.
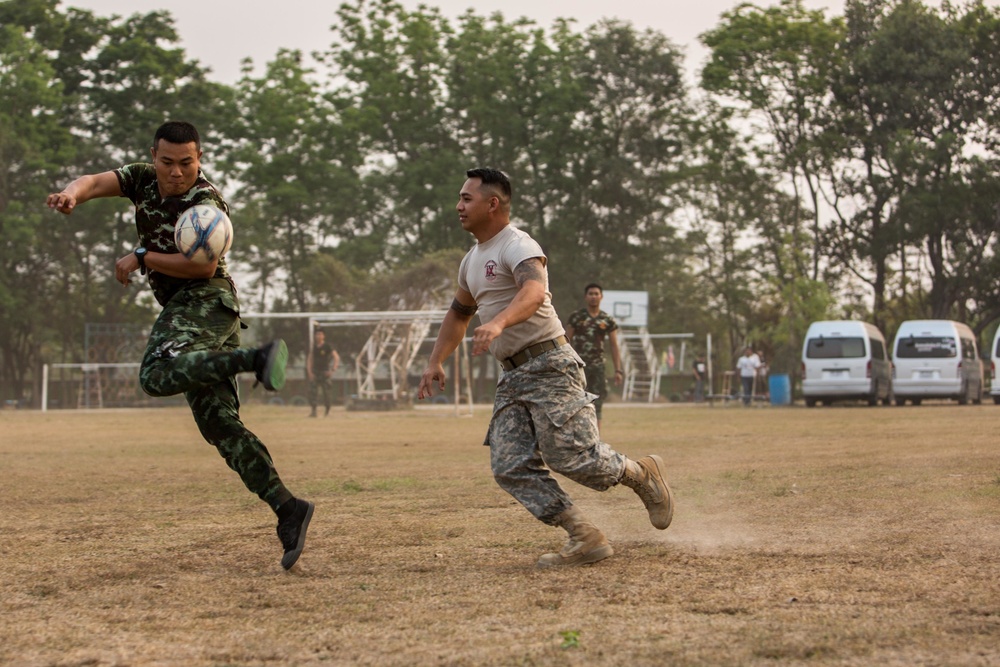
[203,233]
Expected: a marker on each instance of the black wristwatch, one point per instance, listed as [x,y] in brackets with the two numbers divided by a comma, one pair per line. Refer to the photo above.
[140,254]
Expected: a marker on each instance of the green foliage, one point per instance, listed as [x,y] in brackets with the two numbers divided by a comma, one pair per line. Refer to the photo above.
[396,98]
[296,170]
[570,639]
[32,145]
[915,123]
[833,167]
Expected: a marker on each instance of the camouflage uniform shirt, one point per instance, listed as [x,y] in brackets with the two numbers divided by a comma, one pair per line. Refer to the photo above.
[589,334]
[156,216]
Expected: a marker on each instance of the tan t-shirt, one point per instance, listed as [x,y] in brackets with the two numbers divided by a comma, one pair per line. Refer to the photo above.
[487,273]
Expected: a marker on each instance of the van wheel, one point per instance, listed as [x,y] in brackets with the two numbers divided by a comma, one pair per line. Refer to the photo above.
[811,402]
[917,401]
[996,400]
[900,402]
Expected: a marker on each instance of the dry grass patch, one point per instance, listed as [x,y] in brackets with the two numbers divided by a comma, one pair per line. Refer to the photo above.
[843,536]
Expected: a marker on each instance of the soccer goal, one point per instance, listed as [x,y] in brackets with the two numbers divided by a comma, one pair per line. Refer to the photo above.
[383,366]
[92,386]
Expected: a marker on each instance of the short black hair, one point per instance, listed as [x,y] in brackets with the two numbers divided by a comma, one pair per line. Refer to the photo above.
[588,287]
[177,132]
[493,179]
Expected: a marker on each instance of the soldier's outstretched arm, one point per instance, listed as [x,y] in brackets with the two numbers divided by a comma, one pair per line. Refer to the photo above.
[85,188]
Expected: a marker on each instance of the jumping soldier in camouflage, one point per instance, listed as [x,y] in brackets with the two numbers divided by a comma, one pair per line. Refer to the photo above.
[586,330]
[194,346]
[543,418]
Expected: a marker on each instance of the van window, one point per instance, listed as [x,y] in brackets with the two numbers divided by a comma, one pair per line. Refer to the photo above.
[835,348]
[926,347]
[878,349]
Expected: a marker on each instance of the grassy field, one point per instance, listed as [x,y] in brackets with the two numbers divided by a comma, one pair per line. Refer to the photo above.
[828,536]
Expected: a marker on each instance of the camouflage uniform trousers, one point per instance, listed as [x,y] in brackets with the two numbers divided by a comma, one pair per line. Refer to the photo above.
[597,383]
[543,419]
[194,349]
[320,383]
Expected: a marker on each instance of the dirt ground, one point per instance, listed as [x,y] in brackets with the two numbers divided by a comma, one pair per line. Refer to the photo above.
[827,536]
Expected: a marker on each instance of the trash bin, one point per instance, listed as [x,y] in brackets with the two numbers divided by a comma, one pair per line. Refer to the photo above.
[781,389]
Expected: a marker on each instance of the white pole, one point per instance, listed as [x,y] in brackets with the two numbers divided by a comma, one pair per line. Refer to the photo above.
[708,358]
[457,380]
[45,387]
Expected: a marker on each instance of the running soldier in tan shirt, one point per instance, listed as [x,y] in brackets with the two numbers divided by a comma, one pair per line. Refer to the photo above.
[543,418]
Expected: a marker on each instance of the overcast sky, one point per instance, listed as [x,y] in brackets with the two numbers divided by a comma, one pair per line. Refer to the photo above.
[220,33]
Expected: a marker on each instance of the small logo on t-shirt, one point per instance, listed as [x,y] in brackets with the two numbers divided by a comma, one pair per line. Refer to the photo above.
[491,270]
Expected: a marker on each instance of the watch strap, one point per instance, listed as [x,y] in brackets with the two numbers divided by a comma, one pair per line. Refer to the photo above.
[140,254]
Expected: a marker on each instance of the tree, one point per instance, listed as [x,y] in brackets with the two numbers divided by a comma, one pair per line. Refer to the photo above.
[777,64]
[296,167]
[766,150]
[32,143]
[621,176]
[395,97]
[77,85]
[918,92]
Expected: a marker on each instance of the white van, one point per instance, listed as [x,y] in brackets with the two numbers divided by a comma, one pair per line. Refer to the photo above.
[995,359]
[936,359]
[845,359]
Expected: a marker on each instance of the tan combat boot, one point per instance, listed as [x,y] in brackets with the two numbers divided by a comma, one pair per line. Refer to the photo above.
[646,478]
[586,544]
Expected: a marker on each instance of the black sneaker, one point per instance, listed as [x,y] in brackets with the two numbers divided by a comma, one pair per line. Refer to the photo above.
[292,532]
[269,365]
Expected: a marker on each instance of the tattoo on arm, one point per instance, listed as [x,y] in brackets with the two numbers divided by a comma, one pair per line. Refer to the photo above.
[462,309]
[529,269]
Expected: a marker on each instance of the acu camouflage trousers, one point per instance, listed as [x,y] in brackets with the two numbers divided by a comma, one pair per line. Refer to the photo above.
[194,349]
[544,420]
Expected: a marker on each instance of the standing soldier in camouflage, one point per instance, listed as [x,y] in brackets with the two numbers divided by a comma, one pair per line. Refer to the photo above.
[586,330]
[194,346]
[321,364]
[543,418]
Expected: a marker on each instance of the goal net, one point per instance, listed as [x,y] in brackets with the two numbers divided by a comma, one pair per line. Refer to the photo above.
[92,386]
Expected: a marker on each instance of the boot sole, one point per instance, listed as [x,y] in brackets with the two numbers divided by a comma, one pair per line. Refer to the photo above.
[598,554]
[668,498]
[288,560]
[274,368]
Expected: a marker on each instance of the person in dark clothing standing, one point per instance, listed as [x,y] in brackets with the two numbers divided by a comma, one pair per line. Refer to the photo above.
[700,372]
[322,363]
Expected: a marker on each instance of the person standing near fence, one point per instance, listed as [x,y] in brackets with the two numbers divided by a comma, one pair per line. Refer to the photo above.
[747,366]
[700,372]
[322,362]
[543,417]
[194,346]
[586,331]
